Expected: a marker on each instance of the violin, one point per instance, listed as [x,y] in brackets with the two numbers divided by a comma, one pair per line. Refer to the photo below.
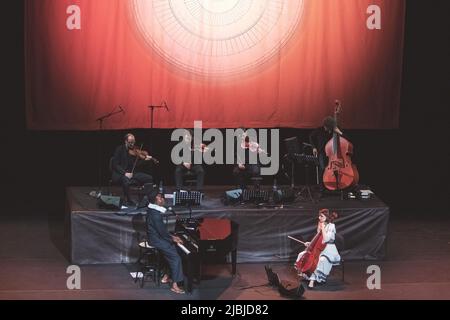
[251,145]
[141,154]
[202,148]
[340,173]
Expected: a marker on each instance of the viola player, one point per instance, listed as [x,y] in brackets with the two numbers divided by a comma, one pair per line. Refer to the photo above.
[243,170]
[189,167]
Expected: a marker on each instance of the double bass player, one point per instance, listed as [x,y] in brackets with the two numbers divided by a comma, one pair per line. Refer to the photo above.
[318,139]
[329,143]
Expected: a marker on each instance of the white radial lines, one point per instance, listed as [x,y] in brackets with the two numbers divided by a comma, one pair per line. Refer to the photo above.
[217,37]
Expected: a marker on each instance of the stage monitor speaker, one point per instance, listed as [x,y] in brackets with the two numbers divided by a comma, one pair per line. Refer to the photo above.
[274,281]
[284,195]
[109,202]
[272,277]
[232,196]
[294,293]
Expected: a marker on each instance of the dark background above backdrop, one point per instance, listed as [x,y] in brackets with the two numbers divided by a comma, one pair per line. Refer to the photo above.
[407,168]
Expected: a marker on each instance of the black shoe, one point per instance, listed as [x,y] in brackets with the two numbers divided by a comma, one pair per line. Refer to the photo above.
[130,203]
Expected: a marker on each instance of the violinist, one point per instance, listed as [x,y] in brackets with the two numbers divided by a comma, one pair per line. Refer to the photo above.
[318,139]
[330,255]
[190,168]
[243,170]
[127,168]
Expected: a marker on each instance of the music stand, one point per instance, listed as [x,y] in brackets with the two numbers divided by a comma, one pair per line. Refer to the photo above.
[293,148]
[187,199]
[305,191]
[257,196]
[294,153]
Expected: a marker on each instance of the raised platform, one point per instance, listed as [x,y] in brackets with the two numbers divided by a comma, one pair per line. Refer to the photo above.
[98,236]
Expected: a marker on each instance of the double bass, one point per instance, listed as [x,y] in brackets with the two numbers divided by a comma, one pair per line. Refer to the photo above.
[340,173]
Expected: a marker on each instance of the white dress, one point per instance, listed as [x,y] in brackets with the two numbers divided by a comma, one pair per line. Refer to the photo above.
[329,256]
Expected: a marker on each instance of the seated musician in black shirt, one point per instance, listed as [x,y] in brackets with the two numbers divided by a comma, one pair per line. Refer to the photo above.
[127,169]
[159,237]
[189,167]
[319,139]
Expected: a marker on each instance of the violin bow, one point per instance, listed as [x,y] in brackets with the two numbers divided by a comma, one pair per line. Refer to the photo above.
[135,161]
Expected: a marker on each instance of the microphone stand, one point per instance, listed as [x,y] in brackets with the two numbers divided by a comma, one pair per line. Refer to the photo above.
[152,108]
[100,152]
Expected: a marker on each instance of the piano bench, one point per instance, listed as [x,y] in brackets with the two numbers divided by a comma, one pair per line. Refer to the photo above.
[150,263]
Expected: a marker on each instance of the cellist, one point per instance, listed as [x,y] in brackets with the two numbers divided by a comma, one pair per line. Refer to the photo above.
[330,255]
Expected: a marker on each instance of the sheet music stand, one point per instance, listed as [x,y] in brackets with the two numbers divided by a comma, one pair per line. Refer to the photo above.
[188,198]
[295,154]
[256,195]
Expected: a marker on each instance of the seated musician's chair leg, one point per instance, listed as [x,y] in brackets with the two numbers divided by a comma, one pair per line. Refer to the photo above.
[340,266]
[139,263]
[340,244]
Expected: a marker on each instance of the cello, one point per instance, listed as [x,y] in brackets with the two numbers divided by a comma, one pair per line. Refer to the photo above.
[307,264]
[340,173]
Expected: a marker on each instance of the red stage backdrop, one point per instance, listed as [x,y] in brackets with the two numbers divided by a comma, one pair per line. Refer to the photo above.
[229,63]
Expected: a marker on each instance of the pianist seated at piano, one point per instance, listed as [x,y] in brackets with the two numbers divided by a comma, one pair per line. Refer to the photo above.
[160,238]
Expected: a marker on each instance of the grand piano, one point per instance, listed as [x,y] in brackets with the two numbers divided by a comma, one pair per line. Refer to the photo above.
[205,240]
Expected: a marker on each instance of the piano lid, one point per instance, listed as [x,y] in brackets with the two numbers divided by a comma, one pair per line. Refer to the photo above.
[214,229]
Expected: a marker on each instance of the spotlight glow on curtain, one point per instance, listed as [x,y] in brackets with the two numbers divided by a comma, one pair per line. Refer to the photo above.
[229,63]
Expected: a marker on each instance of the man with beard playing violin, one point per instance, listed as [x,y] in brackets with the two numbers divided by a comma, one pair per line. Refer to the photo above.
[127,168]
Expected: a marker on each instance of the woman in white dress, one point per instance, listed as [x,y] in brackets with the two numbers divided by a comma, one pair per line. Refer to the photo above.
[329,256]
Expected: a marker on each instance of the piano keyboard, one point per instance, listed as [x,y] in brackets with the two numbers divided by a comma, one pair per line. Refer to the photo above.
[182,247]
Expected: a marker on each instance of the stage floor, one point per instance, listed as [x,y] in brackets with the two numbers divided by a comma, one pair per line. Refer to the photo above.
[105,237]
[33,266]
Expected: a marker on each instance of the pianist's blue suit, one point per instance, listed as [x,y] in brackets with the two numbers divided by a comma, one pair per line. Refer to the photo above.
[159,237]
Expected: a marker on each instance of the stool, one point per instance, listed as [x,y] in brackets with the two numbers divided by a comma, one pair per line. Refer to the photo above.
[150,263]
[256,181]
[190,183]
[190,180]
